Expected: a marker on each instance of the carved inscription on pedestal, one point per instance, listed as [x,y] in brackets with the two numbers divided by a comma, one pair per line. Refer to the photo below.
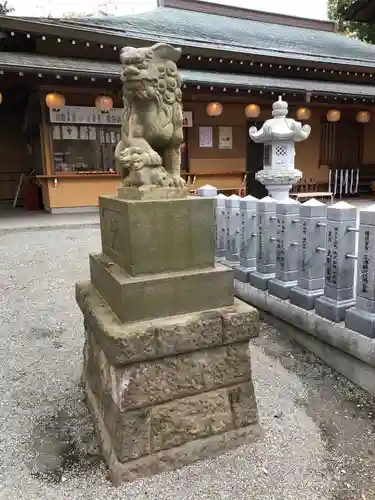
[280,235]
[331,261]
[365,263]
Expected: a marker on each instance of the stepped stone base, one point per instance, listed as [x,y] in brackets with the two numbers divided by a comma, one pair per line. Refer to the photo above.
[161,294]
[169,391]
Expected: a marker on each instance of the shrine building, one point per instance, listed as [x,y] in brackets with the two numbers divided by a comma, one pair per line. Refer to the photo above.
[60,92]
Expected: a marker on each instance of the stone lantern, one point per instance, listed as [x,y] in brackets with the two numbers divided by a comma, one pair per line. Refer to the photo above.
[279,135]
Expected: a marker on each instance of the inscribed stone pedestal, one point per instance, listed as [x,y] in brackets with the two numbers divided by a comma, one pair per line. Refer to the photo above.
[266,244]
[339,276]
[248,248]
[221,227]
[146,237]
[233,227]
[287,249]
[312,238]
[361,318]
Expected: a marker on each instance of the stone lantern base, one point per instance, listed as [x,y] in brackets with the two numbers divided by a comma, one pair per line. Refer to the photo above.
[278,182]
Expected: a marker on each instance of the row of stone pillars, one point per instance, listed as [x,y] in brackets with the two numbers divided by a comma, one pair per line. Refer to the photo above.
[305,253]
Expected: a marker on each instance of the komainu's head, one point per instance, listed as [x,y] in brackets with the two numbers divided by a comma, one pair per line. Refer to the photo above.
[151,73]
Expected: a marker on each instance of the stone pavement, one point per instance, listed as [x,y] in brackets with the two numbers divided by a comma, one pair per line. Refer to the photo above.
[318,429]
[19,219]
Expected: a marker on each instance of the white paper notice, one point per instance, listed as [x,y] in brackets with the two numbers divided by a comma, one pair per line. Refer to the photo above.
[70,132]
[205,137]
[225,138]
[56,133]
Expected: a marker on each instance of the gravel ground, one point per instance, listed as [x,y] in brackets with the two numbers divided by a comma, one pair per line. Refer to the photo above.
[319,432]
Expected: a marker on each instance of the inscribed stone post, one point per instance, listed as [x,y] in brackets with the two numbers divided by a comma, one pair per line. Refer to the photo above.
[313,230]
[361,318]
[221,227]
[287,249]
[233,225]
[339,277]
[248,214]
[266,244]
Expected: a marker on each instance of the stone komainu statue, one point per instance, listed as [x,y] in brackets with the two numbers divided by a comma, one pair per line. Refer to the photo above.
[149,150]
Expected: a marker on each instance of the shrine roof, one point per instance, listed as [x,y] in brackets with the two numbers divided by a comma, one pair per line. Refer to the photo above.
[35,63]
[306,40]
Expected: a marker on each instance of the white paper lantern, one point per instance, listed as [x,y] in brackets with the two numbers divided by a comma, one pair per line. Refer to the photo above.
[303,113]
[214,109]
[333,115]
[55,101]
[104,103]
[252,111]
[363,117]
[1,97]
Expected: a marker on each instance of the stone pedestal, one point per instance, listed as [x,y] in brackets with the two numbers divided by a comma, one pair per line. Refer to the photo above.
[166,361]
[361,318]
[313,229]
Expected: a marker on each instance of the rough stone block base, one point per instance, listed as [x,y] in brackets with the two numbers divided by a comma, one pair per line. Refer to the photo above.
[169,391]
[360,321]
[170,459]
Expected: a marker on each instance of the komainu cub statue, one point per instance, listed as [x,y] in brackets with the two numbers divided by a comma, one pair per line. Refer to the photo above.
[149,150]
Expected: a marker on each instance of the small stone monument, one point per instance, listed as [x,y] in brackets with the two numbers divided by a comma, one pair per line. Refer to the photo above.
[361,318]
[167,371]
[339,277]
[313,229]
[287,249]
[279,135]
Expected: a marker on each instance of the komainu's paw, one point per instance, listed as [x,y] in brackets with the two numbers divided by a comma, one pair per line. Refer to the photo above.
[134,158]
[178,181]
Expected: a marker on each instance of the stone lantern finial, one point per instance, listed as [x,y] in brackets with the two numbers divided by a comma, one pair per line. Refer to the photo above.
[280,108]
[279,135]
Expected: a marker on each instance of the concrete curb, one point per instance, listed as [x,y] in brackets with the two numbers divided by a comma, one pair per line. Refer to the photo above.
[347,351]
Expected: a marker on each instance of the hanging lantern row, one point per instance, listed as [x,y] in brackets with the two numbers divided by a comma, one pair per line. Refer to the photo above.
[216,108]
[253,111]
[56,101]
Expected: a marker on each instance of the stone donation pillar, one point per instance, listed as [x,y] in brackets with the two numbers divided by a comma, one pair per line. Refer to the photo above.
[313,229]
[339,278]
[166,359]
[287,249]
[266,244]
[361,318]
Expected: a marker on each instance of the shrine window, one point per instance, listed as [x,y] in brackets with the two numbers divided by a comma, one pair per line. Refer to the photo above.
[84,139]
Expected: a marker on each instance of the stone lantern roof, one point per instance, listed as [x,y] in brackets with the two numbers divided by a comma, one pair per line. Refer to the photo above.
[280,128]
